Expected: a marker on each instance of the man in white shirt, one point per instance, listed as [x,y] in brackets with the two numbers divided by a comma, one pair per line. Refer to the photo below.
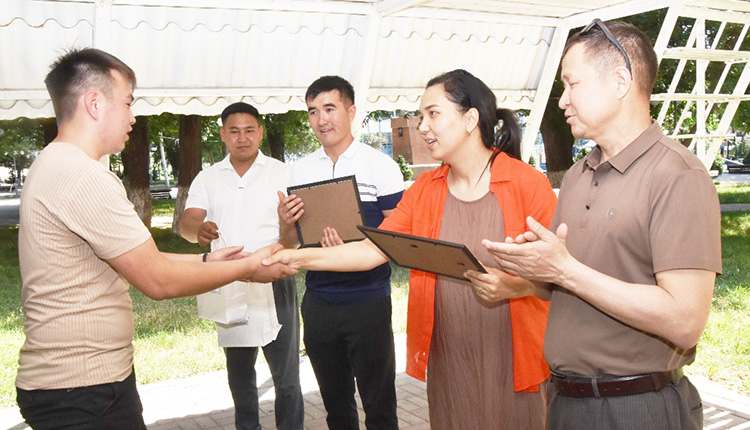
[234,203]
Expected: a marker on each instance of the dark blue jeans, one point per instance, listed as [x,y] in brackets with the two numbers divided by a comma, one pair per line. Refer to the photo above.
[353,342]
[113,406]
[282,356]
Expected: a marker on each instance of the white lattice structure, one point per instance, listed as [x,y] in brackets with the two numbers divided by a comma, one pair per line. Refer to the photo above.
[697,104]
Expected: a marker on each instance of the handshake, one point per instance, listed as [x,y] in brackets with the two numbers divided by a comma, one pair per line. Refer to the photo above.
[259,265]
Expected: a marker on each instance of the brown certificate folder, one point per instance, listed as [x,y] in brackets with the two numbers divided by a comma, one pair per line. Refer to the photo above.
[428,255]
[332,203]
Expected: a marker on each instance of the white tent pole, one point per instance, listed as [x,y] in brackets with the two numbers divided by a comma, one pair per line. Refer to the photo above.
[742,84]
[103,37]
[103,24]
[665,33]
[363,77]
[700,89]
[546,79]
[676,79]
[660,47]
[727,66]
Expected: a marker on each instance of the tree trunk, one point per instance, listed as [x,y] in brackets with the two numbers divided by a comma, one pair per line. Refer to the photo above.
[275,136]
[136,157]
[190,163]
[558,142]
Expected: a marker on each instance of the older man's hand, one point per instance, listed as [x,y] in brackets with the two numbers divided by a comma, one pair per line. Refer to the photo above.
[538,254]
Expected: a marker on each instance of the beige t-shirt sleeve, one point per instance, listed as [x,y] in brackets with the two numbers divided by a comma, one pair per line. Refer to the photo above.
[97,209]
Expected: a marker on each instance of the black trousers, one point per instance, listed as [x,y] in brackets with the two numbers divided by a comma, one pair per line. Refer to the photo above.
[675,407]
[347,343]
[113,406]
[282,355]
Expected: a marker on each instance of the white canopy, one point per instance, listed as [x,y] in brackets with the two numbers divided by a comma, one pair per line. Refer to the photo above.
[197,56]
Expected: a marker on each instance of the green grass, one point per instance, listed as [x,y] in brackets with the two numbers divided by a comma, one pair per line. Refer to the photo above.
[11,316]
[162,207]
[724,350]
[172,342]
[730,192]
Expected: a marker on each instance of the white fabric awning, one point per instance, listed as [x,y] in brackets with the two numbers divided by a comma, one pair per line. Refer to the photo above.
[198,56]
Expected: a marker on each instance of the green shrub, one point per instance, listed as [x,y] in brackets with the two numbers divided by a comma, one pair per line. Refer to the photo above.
[405,169]
[718,164]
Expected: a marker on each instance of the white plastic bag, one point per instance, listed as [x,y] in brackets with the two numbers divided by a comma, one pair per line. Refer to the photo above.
[226,305]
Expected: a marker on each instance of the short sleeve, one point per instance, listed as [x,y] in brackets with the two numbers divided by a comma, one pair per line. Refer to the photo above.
[390,185]
[97,209]
[400,220]
[685,227]
[391,179]
[198,195]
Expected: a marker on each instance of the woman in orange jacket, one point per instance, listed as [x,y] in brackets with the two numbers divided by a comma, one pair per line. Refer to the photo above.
[479,343]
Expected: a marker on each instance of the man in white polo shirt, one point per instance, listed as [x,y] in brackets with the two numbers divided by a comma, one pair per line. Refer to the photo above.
[234,203]
[347,315]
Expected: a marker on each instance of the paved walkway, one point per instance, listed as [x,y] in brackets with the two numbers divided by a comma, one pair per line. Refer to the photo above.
[204,402]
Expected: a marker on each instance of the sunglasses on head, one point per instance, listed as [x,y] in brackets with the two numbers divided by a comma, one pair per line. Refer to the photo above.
[598,22]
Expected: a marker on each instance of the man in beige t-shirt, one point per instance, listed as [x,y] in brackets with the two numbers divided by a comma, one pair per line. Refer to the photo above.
[631,268]
[81,244]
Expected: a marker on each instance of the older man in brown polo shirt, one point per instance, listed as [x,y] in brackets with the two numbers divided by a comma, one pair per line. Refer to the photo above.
[631,268]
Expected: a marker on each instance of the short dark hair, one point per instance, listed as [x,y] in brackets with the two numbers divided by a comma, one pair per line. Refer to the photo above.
[239,107]
[604,54]
[466,91]
[79,70]
[330,83]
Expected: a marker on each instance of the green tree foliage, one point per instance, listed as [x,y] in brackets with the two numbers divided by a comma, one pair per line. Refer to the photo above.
[213,147]
[288,135]
[380,115]
[20,142]
[404,166]
[718,164]
[377,140]
[166,128]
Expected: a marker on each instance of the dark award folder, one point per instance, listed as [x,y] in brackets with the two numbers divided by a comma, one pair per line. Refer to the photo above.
[420,253]
[332,203]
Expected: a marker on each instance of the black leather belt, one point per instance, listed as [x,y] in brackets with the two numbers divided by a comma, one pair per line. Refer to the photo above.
[570,385]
